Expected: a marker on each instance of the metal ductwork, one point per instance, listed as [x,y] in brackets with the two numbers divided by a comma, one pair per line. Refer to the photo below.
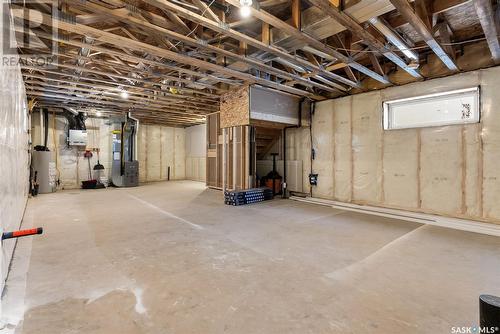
[76,120]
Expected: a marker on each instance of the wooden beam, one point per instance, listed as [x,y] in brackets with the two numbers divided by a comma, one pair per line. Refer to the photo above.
[166,5]
[486,15]
[243,47]
[266,33]
[255,63]
[438,6]
[305,38]
[368,38]
[77,77]
[115,92]
[403,6]
[423,12]
[136,59]
[131,101]
[376,63]
[445,32]
[121,41]
[205,9]
[296,14]
[66,96]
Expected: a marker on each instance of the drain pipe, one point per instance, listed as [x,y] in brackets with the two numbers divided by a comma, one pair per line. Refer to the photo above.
[299,125]
[136,134]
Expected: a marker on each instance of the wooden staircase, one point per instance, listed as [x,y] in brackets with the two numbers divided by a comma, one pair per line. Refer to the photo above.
[265,139]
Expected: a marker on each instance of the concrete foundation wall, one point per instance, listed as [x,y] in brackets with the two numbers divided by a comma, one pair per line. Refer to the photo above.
[196,151]
[449,170]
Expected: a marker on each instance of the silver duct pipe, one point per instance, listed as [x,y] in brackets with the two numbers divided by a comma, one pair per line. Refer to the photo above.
[393,37]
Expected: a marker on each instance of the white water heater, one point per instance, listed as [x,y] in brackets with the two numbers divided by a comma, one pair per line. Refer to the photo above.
[46,172]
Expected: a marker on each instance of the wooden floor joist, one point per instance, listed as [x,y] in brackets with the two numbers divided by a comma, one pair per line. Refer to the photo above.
[177,58]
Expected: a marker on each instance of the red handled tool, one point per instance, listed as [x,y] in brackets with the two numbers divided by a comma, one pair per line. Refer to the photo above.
[22,233]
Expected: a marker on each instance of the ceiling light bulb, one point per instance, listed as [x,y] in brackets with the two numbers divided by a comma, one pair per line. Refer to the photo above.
[245,8]
[124,94]
[245,11]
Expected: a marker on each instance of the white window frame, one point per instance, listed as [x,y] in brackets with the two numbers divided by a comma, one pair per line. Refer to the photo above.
[476,115]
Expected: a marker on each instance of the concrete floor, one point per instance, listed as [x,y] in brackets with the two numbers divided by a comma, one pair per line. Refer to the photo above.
[171,258]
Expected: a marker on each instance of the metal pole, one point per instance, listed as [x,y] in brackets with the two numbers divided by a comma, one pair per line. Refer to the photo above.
[224,159]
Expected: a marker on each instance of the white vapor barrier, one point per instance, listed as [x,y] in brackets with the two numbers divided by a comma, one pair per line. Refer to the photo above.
[322,144]
[196,151]
[154,156]
[167,152]
[400,178]
[441,169]
[71,166]
[14,156]
[342,172]
[179,154]
[161,149]
[299,148]
[447,170]
[156,150]
[366,147]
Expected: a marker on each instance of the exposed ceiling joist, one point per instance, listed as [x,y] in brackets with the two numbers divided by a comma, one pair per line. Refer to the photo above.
[367,37]
[486,15]
[224,29]
[287,28]
[403,6]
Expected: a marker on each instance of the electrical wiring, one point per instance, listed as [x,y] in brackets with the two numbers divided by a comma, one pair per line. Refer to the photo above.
[411,49]
[196,27]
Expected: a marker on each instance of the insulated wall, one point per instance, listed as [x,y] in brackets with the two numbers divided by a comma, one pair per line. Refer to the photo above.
[448,170]
[159,147]
[161,153]
[196,151]
[14,156]
[71,166]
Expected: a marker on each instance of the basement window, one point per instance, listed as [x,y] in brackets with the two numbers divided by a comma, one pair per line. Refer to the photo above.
[439,109]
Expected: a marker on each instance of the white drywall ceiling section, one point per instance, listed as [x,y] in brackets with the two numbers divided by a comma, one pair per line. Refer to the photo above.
[447,170]
[14,157]
[196,150]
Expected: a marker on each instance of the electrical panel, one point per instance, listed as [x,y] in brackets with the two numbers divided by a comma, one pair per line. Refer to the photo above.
[77,138]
